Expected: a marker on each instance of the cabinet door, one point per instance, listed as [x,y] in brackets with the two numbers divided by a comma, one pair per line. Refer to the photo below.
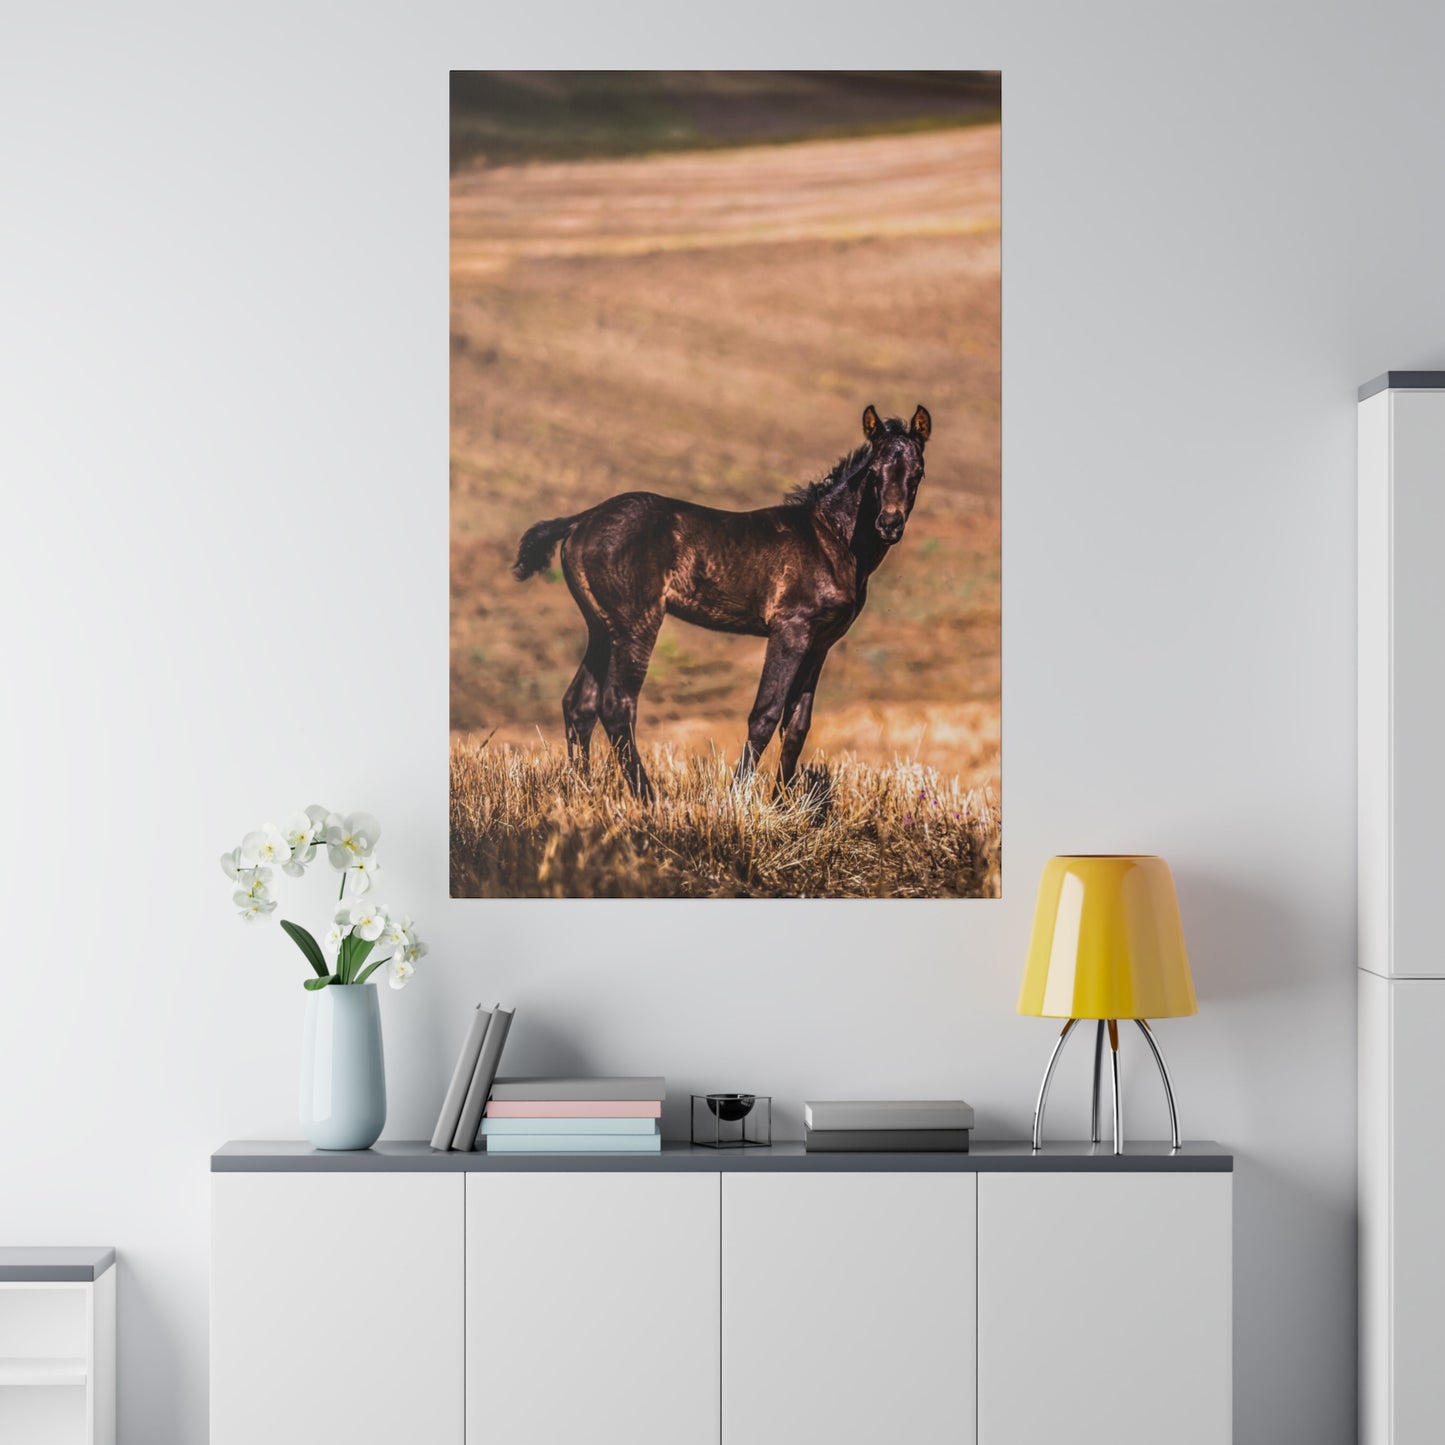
[336,1309]
[848,1308]
[1417,603]
[592,1309]
[1416,1249]
[1104,1309]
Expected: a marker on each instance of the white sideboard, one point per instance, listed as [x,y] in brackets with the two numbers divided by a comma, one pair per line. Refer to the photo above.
[698,1297]
[57,1346]
[1401,779]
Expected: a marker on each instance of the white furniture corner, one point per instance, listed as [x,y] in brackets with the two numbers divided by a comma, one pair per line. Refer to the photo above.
[1401,778]
[705,1297]
[57,1346]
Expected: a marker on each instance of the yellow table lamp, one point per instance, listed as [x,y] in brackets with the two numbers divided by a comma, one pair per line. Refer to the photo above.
[1107,945]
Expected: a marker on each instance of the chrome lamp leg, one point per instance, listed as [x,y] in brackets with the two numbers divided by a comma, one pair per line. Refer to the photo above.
[1044,1087]
[1164,1075]
[1118,1097]
[1094,1134]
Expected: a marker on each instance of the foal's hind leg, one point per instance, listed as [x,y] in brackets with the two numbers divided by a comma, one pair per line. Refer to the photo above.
[583,698]
[626,672]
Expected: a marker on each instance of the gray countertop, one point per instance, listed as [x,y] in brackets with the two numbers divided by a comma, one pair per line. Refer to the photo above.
[1403,381]
[417,1157]
[49,1264]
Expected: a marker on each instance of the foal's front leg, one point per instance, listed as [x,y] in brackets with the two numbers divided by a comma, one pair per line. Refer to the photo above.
[798,716]
[787,648]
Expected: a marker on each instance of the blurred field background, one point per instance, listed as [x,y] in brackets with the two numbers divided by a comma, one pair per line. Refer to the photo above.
[693,284]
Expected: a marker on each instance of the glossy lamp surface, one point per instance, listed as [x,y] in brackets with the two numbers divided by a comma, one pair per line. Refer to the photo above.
[1107,942]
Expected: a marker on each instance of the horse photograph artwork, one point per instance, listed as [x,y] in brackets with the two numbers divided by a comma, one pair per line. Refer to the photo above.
[725,484]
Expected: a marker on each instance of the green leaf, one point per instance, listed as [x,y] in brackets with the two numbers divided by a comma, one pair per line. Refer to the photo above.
[308,946]
[371,969]
[361,947]
[314,983]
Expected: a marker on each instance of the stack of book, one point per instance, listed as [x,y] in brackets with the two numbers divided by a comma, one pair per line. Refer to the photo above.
[461,1115]
[575,1116]
[912,1126]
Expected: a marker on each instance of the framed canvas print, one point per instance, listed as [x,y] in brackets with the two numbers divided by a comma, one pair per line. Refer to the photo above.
[725,484]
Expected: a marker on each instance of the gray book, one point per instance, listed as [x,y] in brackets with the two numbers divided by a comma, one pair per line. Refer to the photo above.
[889,1114]
[451,1113]
[516,1091]
[886,1141]
[482,1077]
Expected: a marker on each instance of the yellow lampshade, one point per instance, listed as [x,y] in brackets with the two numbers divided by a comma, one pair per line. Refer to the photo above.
[1107,942]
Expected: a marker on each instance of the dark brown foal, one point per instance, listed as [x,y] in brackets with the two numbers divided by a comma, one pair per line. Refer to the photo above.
[796,573]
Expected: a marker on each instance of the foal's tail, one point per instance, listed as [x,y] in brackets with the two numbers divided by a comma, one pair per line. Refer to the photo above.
[538,543]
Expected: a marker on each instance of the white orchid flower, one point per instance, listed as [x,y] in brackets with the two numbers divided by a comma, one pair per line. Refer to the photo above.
[300,833]
[413,950]
[363,875]
[340,928]
[398,971]
[266,846]
[255,907]
[350,838]
[368,921]
[398,933]
[232,866]
[255,883]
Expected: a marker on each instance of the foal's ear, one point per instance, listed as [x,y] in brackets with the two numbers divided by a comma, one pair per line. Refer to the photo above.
[922,424]
[870,421]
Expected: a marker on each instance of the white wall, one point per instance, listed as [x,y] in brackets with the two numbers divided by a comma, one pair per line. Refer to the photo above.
[223,438]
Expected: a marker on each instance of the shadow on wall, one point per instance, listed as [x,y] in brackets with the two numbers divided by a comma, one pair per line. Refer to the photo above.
[1284,1225]
[1244,942]
[149,1378]
[534,1046]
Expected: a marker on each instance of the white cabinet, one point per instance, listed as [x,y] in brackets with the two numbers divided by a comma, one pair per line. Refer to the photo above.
[336,1308]
[1104,1308]
[1402,1189]
[403,1297]
[1401,865]
[592,1309]
[57,1357]
[848,1308]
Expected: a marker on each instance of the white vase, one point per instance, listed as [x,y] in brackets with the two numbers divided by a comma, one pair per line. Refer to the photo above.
[343,1076]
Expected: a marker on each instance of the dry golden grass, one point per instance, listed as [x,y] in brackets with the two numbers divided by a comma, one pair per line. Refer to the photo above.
[525,824]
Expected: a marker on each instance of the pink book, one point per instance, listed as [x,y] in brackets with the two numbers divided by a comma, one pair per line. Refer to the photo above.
[575,1109]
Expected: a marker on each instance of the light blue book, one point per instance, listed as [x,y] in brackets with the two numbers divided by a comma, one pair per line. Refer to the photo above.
[574,1144]
[494,1127]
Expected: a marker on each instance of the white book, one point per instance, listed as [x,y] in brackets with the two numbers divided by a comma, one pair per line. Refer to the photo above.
[486,1070]
[605,1127]
[888,1114]
[574,1143]
[451,1112]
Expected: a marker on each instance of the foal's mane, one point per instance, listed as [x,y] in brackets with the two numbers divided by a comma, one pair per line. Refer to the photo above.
[808,494]
[805,494]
